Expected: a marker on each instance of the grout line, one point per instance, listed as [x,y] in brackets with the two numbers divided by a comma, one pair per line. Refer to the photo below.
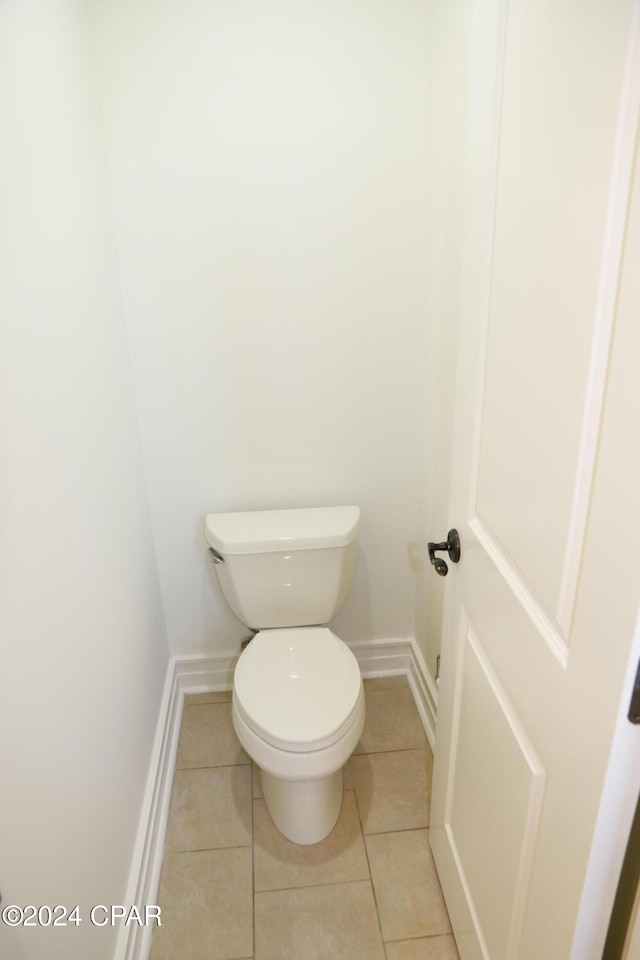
[382,833]
[425,936]
[253,860]
[231,846]
[370,753]
[373,889]
[215,766]
[313,886]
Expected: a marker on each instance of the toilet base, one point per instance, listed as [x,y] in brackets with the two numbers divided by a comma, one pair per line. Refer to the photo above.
[305,811]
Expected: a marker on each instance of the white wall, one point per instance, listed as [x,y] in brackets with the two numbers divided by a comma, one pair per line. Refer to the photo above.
[449,52]
[269,173]
[83,652]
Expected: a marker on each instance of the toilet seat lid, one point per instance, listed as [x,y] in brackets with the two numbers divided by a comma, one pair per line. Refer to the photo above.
[298,688]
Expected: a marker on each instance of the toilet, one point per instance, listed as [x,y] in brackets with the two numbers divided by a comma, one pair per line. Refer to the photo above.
[298,698]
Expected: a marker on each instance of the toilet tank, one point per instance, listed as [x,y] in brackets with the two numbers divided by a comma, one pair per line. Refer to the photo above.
[285,568]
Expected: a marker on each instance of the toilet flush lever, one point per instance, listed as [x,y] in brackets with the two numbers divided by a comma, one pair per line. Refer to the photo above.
[217,557]
[451,545]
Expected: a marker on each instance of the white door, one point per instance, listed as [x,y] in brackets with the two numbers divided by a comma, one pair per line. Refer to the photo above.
[536,765]
[631,950]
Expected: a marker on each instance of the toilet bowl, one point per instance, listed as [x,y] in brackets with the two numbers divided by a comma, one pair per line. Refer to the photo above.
[298,700]
[298,711]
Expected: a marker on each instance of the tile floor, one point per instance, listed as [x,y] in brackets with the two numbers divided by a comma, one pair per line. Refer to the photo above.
[233,888]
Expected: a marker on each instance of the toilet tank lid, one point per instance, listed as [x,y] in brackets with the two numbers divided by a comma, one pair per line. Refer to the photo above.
[268,531]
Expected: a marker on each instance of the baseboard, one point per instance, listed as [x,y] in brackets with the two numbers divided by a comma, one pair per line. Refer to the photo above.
[376,658]
[203,673]
[384,658]
[133,941]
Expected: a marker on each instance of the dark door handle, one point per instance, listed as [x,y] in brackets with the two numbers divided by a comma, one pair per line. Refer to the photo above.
[451,545]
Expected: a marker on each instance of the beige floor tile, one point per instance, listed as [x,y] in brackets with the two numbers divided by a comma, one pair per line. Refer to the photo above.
[399,682]
[207,737]
[205,898]
[393,789]
[312,903]
[213,696]
[426,948]
[333,922]
[408,894]
[210,807]
[391,721]
[340,857]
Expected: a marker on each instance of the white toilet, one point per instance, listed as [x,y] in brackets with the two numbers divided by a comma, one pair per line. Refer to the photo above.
[298,699]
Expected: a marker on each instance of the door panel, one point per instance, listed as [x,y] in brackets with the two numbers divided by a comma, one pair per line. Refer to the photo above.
[539,630]
[507,785]
[563,70]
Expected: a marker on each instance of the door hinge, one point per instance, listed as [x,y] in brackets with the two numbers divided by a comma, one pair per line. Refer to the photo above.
[634,706]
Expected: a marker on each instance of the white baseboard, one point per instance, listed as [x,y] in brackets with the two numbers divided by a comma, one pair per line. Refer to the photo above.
[376,658]
[134,942]
[203,673]
[384,658]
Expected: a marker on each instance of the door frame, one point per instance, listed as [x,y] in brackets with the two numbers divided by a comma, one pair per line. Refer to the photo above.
[613,826]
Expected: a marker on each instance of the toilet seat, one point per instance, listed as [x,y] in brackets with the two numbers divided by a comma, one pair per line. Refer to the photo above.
[298,688]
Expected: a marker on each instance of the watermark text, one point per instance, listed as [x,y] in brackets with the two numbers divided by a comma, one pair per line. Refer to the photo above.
[115,914]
